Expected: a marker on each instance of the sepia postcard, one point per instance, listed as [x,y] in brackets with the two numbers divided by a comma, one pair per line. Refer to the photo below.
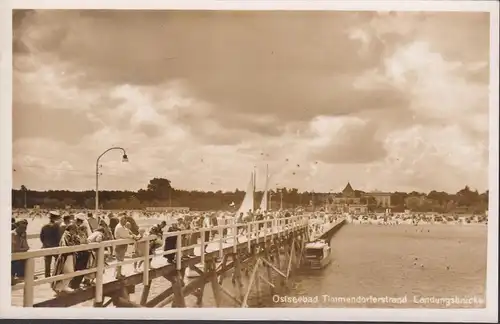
[314,160]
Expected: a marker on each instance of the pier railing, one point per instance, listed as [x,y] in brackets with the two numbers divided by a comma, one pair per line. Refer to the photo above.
[253,231]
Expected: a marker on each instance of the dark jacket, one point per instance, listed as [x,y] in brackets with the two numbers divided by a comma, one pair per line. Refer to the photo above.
[50,235]
[113,222]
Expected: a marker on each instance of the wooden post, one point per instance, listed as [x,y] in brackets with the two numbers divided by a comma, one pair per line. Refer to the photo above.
[252,278]
[269,274]
[145,267]
[235,239]
[145,293]
[257,277]
[277,256]
[301,252]
[215,285]
[202,248]
[178,264]
[265,229]
[249,236]
[290,256]
[256,231]
[29,280]
[178,294]
[221,250]
[271,224]
[99,280]
[237,276]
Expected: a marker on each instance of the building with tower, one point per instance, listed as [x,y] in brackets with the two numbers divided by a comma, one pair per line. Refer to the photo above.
[347,202]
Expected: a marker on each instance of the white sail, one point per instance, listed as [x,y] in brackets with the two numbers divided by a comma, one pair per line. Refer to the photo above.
[264,204]
[247,203]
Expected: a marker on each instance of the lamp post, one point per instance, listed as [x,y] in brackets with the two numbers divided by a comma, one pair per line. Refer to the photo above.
[281,198]
[312,201]
[124,159]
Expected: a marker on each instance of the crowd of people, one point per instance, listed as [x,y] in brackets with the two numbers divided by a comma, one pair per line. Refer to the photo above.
[417,219]
[66,228]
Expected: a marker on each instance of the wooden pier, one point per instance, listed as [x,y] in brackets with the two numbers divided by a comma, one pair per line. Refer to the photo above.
[267,253]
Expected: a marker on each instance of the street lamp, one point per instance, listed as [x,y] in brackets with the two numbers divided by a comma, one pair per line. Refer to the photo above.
[124,159]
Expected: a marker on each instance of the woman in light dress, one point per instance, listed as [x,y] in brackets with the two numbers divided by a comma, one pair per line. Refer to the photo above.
[65,263]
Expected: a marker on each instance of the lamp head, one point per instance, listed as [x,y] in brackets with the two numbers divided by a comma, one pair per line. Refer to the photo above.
[125,158]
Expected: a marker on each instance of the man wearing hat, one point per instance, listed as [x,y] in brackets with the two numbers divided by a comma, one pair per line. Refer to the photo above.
[50,235]
[19,243]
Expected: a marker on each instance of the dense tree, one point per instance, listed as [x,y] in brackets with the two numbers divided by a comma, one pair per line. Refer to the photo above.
[160,193]
[160,188]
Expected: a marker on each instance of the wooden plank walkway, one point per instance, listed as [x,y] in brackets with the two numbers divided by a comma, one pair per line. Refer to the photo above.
[44,291]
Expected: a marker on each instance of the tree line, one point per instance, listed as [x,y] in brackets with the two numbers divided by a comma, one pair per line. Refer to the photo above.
[160,193]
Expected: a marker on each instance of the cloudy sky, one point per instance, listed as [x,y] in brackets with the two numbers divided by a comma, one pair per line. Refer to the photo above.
[387,101]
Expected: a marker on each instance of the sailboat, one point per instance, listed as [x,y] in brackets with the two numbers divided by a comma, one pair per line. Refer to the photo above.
[248,201]
[246,205]
[264,204]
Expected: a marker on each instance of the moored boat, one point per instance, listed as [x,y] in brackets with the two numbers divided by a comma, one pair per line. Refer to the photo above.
[317,255]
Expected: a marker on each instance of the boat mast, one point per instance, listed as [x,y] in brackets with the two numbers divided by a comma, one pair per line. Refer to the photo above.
[267,183]
[254,186]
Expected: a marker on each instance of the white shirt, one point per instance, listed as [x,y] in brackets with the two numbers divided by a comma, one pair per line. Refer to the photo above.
[122,232]
[206,222]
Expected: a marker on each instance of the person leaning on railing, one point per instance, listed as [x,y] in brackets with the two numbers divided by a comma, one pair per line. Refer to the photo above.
[50,235]
[207,224]
[224,222]
[82,258]
[19,243]
[65,263]
[139,249]
[107,236]
[96,237]
[113,221]
[121,232]
[186,238]
[240,220]
[171,243]
[195,235]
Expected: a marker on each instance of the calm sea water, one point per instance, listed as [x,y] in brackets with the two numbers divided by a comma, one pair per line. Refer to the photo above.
[398,261]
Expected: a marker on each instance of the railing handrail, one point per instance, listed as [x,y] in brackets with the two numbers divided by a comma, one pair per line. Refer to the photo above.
[92,246]
[37,235]
[283,226]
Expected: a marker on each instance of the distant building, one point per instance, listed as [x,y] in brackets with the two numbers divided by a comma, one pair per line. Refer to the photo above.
[415,200]
[347,202]
[383,198]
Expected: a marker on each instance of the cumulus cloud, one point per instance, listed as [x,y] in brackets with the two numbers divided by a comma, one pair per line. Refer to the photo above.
[395,100]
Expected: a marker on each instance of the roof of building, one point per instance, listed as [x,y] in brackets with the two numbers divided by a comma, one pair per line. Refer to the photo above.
[348,191]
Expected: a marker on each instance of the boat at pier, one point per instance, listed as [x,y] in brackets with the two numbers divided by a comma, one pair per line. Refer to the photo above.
[317,255]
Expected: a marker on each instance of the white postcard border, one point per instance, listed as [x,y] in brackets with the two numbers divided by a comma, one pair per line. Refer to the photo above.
[488,314]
